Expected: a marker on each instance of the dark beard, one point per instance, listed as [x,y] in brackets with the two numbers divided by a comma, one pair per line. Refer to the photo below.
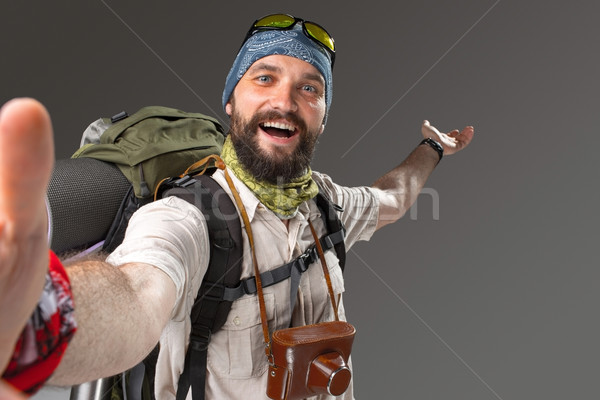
[266,166]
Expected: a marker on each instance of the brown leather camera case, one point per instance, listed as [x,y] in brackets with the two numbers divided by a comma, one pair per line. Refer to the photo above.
[310,360]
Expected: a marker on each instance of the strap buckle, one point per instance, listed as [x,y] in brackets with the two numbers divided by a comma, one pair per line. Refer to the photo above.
[249,285]
[269,353]
[305,259]
[184,181]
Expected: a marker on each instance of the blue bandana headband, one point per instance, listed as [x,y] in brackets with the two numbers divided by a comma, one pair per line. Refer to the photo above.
[291,43]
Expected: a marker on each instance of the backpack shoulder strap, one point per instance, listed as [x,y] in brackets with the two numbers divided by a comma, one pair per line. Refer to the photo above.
[210,309]
[335,227]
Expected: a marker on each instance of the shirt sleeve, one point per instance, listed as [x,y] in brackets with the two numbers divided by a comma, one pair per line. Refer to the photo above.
[360,207]
[171,235]
[45,337]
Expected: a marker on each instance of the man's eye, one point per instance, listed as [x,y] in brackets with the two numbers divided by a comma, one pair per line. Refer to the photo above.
[309,88]
[264,78]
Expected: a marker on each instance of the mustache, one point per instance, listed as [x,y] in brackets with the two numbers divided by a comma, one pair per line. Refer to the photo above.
[262,116]
[289,116]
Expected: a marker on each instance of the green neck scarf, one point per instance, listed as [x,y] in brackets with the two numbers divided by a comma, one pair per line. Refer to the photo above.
[283,199]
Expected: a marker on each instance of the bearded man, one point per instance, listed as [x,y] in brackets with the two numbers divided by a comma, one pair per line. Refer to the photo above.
[277,94]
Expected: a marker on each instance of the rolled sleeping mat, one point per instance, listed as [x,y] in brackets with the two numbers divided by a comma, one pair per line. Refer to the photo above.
[83,197]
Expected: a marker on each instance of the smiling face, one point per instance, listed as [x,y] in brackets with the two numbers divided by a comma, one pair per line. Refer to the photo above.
[277,111]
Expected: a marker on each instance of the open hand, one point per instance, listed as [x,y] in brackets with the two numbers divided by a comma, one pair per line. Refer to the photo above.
[452,141]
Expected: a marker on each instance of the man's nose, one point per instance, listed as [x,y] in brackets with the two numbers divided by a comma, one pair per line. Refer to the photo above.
[284,98]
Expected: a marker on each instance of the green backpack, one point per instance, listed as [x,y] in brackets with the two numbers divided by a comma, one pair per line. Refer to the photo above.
[148,146]
[145,159]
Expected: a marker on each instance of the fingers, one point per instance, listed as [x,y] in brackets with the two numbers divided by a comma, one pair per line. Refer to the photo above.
[467,130]
[461,139]
[454,133]
[26,136]
[26,160]
[466,135]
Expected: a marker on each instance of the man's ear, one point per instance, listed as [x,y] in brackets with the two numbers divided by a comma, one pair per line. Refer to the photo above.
[228,108]
[322,129]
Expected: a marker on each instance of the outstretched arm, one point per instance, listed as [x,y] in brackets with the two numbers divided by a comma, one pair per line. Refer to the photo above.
[400,187]
[120,312]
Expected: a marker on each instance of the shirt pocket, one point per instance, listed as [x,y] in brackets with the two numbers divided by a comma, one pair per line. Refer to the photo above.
[237,350]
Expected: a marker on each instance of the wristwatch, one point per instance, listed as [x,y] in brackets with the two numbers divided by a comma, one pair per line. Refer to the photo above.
[434,145]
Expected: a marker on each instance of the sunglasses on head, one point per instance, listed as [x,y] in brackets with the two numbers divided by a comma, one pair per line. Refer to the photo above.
[284,22]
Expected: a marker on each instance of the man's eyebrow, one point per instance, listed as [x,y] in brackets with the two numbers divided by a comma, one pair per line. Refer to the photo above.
[264,66]
[315,77]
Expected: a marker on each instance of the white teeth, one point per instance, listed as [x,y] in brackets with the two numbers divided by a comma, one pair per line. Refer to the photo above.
[279,125]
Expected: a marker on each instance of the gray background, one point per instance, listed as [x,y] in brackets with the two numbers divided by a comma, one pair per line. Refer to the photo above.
[494,298]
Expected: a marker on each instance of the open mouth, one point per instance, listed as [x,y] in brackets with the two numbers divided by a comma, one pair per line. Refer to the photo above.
[279,130]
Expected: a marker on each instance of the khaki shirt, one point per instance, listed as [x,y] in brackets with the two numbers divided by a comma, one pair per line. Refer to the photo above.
[172,235]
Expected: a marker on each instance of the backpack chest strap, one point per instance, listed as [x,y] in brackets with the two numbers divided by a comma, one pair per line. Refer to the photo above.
[294,269]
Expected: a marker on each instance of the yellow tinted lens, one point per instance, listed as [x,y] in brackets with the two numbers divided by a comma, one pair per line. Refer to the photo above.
[275,21]
[320,34]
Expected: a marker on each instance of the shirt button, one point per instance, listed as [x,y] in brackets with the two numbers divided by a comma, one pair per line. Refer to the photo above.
[237,321]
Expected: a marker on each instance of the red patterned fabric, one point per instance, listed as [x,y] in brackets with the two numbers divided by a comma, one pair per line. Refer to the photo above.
[46,335]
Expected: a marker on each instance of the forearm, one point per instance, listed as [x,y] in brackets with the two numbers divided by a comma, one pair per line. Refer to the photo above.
[120,314]
[400,187]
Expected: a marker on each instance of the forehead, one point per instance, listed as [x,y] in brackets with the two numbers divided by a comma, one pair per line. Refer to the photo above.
[286,65]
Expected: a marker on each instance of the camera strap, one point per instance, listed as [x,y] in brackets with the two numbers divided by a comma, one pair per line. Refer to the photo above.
[325,270]
[257,275]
